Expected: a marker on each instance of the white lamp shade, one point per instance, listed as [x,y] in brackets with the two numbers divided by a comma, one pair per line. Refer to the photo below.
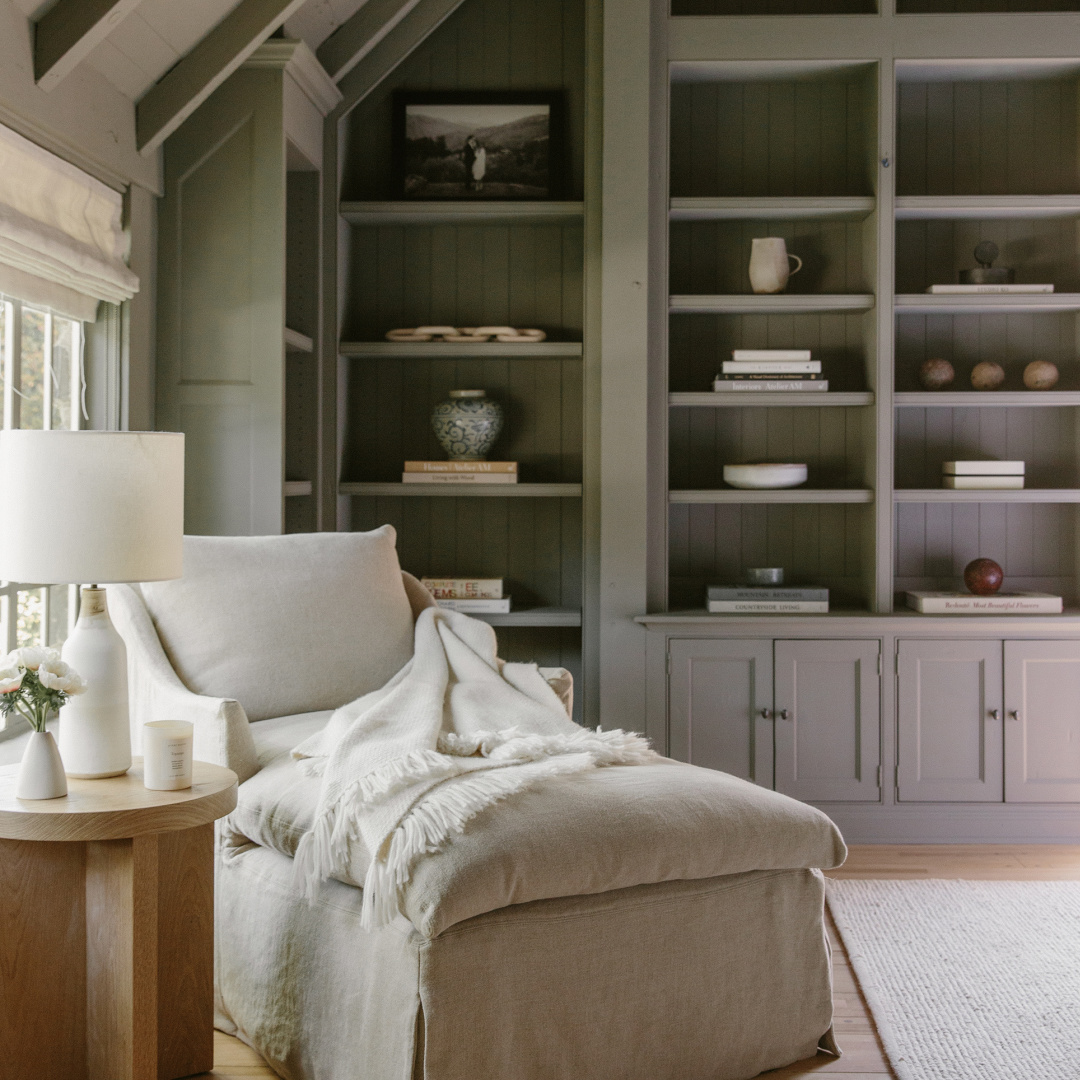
[83,507]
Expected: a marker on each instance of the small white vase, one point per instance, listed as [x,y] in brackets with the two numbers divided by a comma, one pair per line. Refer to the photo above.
[41,774]
[769,270]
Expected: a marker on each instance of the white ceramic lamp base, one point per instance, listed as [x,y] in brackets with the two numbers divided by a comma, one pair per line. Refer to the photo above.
[95,739]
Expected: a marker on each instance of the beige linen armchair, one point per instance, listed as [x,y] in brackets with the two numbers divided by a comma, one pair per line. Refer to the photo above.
[658,921]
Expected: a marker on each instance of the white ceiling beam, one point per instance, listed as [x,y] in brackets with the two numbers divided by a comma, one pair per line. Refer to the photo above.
[170,101]
[360,33]
[67,32]
[426,17]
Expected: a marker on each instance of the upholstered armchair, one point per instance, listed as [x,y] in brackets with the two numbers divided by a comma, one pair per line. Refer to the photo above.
[635,922]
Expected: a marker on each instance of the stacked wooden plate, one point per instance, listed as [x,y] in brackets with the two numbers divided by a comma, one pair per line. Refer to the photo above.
[466,335]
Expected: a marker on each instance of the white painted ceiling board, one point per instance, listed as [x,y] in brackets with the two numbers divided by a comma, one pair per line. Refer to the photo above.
[318,19]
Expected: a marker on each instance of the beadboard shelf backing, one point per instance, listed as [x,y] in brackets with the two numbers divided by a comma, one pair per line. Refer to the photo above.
[1045,441]
[698,344]
[460,212]
[985,207]
[783,304]
[831,442]
[821,544]
[441,350]
[773,496]
[835,208]
[768,400]
[1034,543]
[713,257]
[1012,340]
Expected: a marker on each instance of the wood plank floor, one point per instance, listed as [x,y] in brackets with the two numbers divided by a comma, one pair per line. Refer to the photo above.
[863,1058]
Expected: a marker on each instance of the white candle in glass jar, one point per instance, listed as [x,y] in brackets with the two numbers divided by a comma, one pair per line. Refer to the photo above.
[166,746]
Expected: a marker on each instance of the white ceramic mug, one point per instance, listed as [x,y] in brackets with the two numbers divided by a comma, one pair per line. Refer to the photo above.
[769,271]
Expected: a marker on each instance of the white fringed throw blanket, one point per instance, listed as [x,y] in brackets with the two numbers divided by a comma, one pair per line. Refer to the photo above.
[406,767]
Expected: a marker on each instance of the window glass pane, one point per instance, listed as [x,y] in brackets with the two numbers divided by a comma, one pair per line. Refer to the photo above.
[33,368]
[3,354]
[63,347]
[31,610]
[60,598]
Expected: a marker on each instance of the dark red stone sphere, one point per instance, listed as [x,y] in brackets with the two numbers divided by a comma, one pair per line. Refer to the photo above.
[983,577]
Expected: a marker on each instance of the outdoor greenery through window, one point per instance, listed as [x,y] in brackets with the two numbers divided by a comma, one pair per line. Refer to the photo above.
[41,387]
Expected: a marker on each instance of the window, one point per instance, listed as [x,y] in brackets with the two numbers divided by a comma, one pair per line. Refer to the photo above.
[41,383]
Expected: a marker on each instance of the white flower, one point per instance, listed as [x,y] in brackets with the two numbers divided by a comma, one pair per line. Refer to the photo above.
[54,674]
[33,656]
[11,677]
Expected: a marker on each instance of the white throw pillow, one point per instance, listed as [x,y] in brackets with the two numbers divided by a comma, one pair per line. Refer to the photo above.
[285,624]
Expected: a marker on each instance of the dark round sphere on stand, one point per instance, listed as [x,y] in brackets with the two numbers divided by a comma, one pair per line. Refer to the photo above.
[983,577]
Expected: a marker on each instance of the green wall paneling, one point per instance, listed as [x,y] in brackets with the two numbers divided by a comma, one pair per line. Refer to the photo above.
[534,544]
[302,252]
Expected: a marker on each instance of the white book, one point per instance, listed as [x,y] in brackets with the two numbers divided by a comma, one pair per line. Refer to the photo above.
[771,367]
[983,483]
[971,290]
[770,354]
[1013,603]
[792,385]
[477,607]
[768,607]
[983,468]
[464,588]
[459,478]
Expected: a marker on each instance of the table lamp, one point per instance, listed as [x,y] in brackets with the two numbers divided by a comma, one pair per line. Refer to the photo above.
[100,507]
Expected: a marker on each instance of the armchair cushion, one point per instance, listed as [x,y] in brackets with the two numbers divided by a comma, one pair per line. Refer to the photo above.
[610,829]
[285,624]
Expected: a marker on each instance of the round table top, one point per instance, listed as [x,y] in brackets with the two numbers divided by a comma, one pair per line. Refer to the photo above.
[117,807]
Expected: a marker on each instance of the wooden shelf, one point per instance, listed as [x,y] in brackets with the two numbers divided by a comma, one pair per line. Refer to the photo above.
[293,488]
[851,208]
[780,304]
[480,212]
[538,616]
[986,399]
[986,303]
[442,350]
[464,491]
[1024,495]
[297,342]
[985,207]
[773,495]
[767,398]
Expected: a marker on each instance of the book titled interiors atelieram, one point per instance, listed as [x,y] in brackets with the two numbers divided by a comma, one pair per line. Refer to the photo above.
[460,472]
[770,370]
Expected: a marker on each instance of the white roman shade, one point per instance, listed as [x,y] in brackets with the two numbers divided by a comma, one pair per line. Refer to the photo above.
[61,243]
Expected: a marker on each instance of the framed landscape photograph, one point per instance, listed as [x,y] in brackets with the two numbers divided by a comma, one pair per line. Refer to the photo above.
[480,145]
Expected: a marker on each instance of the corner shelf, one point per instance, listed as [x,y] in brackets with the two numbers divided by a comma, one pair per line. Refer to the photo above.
[952,399]
[442,350]
[1023,495]
[297,342]
[463,491]
[781,304]
[986,303]
[480,212]
[985,207]
[767,398]
[772,495]
[537,616]
[836,208]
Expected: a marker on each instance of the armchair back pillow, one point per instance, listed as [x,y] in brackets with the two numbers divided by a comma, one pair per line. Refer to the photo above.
[285,624]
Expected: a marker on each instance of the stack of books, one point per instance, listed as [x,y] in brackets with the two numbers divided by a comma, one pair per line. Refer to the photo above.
[766,600]
[982,475]
[771,370]
[473,596]
[460,472]
[1002,603]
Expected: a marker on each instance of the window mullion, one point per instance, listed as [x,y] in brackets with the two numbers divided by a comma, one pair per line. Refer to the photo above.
[13,358]
[47,374]
[78,351]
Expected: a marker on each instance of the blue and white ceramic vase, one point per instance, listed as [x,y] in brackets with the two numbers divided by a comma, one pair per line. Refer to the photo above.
[467,425]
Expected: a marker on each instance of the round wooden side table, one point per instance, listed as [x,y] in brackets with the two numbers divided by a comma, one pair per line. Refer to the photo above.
[107,928]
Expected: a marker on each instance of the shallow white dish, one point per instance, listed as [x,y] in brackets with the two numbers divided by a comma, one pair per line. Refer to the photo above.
[765,476]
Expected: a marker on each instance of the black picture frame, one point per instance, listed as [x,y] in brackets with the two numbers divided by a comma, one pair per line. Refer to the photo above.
[522,168]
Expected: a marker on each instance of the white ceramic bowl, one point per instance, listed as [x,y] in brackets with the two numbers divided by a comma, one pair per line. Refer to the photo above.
[765,476]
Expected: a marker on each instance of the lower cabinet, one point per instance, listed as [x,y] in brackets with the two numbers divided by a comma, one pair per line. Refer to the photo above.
[986,721]
[803,716]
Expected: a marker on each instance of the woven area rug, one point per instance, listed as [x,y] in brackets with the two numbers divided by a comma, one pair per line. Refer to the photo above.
[968,980]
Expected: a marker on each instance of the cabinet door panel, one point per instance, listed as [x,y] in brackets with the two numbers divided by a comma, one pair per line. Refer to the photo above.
[950,742]
[829,746]
[1042,721]
[718,690]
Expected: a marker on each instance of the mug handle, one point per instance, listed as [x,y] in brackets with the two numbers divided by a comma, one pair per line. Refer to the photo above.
[798,260]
